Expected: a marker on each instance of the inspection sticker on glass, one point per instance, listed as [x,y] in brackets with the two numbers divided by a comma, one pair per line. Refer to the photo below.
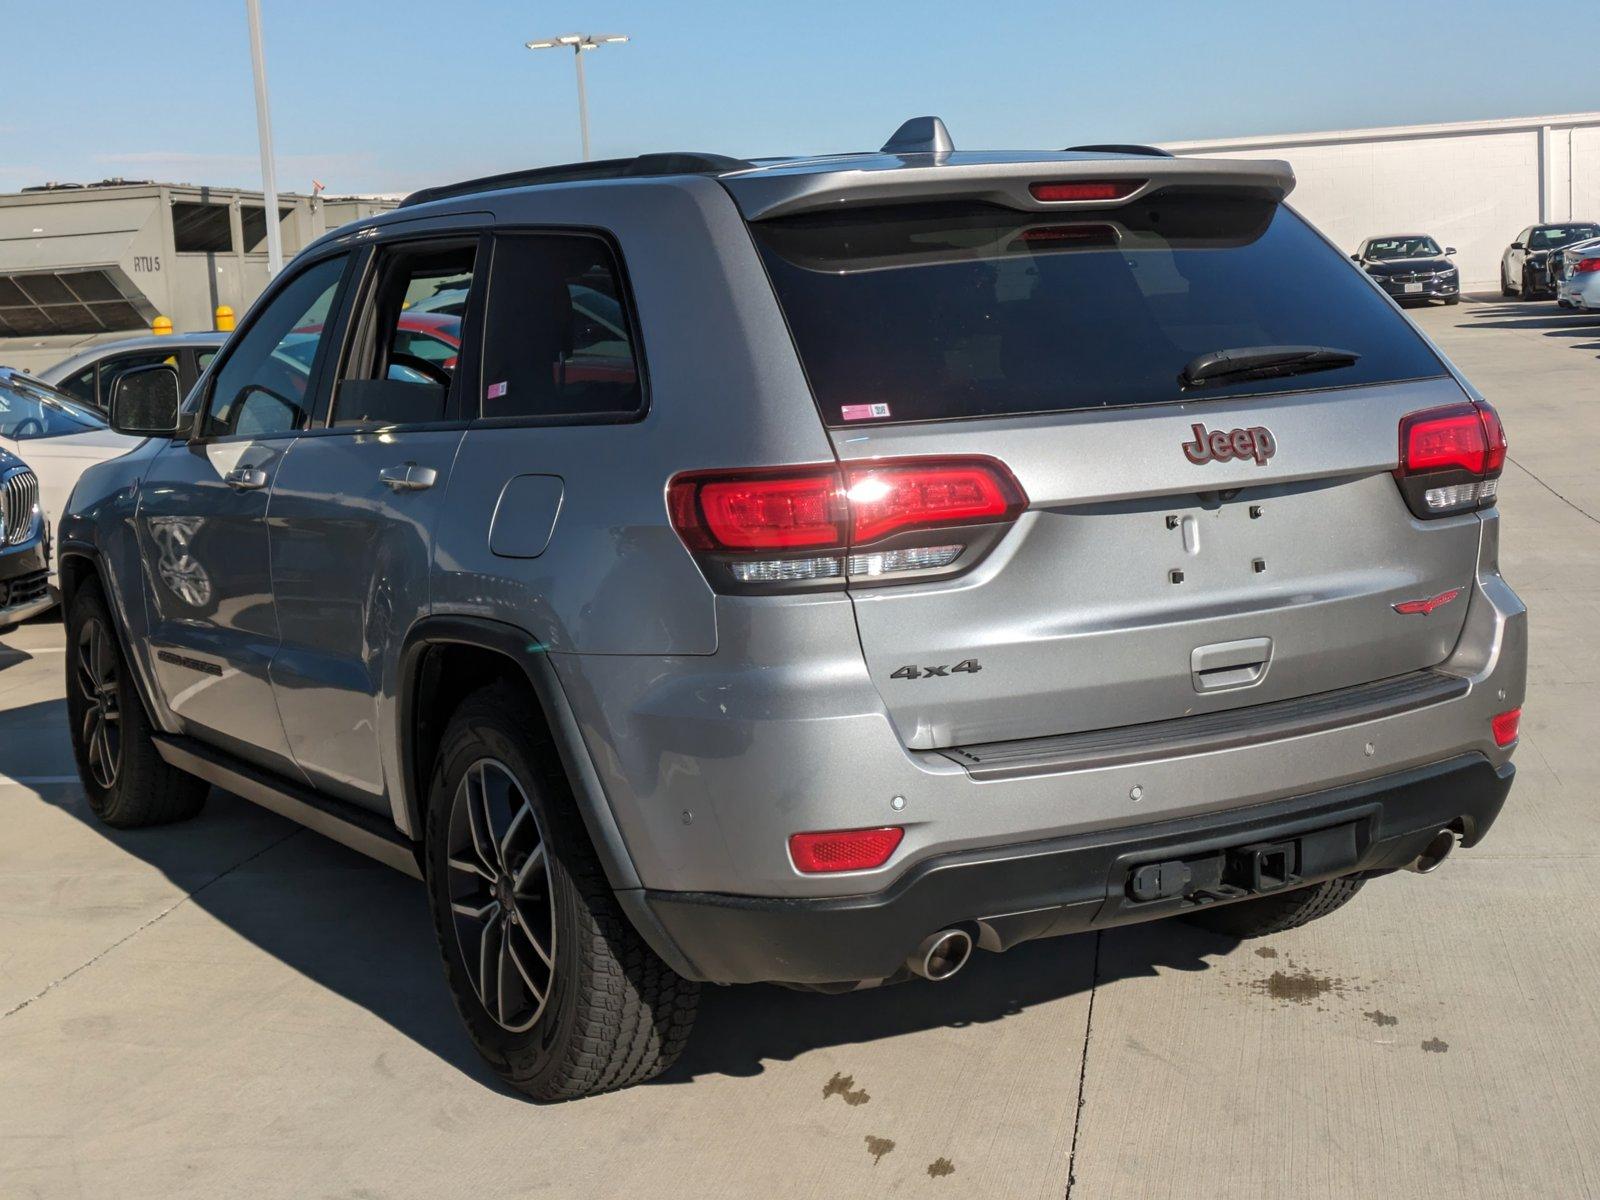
[496,390]
[863,412]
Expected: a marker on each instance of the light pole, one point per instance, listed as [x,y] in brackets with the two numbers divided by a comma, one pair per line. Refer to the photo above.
[579,43]
[269,175]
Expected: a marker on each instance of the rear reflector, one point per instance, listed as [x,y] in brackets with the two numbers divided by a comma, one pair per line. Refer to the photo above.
[1086,189]
[1451,458]
[1506,727]
[844,849]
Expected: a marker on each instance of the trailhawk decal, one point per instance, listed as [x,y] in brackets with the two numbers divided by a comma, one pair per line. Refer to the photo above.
[1220,446]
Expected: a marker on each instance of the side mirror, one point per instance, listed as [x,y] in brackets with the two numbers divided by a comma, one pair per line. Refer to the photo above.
[145,401]
[1519,245]
[1355,258]
[1449,250]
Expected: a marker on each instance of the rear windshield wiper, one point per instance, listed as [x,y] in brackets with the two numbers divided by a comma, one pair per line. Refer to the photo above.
[1261,362]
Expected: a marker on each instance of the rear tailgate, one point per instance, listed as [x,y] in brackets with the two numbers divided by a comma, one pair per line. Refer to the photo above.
[1144,581]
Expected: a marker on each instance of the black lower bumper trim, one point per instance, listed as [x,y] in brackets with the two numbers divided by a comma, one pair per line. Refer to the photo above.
[1066,885]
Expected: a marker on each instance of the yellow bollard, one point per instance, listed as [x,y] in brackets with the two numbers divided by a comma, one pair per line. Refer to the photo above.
[161,326]
[224,318]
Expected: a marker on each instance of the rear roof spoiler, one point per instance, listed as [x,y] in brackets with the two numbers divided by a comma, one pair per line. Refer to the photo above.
[1004,180]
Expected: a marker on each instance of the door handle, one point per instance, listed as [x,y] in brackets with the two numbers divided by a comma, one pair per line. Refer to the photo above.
[1227,665]
[245,479]
[408,477]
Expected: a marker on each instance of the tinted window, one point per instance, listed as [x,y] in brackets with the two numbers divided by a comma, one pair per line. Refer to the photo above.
[197,228]
[1562,235]
[1380,249]
[969,311]
[403,365]
[263,386]
[559,341]
[30,411]
[80,386]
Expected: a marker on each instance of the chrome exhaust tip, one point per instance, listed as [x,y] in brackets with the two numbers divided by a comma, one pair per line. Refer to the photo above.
[1434,853]
[940,955]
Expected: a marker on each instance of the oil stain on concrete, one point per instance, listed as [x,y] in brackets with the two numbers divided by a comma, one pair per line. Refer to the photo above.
[940,1167]
[878,1147]
[844,1086]
[1380,1018]
[1435,1046]
[1266,952]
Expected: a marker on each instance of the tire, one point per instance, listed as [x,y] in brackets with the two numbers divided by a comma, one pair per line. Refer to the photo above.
[1505,282]
[1528,292]
[583,1005]
[1456,299]
[1276,913]
[129,784]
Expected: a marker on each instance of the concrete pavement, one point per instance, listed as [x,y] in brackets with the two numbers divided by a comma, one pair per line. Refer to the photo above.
[234,1007]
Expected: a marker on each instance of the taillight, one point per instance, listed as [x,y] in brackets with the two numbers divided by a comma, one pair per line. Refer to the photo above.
[1086,189]
[1506,726]
[844,849]
[1451,458]
[1585,265]
[813,526]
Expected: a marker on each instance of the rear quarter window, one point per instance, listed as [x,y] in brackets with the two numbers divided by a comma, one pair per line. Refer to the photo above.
[559,341]
[937,312]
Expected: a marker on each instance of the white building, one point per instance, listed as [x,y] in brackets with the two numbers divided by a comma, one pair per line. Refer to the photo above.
[1473,185]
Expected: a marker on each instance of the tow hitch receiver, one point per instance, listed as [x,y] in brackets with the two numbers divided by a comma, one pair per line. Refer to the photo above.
[1234,872]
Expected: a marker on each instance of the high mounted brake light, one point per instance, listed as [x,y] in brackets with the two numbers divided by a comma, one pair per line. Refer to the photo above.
[1450,459]
[1086,189]
[812,525]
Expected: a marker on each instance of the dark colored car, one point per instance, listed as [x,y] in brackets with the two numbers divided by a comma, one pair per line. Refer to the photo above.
[1410,267]
[24,545]
[1525,266]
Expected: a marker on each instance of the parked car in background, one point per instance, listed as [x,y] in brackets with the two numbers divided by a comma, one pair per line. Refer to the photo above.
[24,545]
[1411,267]
[1525,266]
[1563,265]
[56,435]
[811,571]
[1580,283]
[88,375]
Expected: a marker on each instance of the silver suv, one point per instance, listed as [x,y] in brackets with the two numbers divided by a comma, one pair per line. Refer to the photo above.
[809,570]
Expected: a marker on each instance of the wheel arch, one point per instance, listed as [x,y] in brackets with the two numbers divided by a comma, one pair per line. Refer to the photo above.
[77,564]
[445,657]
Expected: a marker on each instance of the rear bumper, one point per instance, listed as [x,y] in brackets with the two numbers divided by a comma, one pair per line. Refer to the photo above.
[1012,894]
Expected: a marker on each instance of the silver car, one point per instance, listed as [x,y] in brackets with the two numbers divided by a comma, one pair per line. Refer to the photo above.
[929,552]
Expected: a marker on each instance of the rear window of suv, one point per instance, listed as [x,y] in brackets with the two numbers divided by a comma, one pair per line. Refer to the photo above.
[936,312]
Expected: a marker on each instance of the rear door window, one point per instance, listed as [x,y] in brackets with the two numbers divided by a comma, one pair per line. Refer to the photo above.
[933,312]
[559,338]
[403,358]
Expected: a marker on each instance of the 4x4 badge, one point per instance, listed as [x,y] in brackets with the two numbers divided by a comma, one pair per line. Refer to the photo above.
[1221,445]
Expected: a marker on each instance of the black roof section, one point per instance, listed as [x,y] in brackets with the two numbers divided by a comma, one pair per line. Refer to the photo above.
[643,166]
[1123,148]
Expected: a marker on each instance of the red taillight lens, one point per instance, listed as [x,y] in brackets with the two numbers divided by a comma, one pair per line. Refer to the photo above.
[1086,189]
[886,499]
[1585,265]
[1506,727]
[844,849]
[804,526]
[1450,458]
[774,513]
[1445,438]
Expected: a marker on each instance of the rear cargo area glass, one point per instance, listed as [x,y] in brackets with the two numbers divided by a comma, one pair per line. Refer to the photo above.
[938,311]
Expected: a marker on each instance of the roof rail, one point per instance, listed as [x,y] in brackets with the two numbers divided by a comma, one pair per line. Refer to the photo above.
[1121,148]
[606,168]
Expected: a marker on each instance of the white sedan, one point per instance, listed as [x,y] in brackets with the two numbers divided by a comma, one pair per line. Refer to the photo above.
[56,436]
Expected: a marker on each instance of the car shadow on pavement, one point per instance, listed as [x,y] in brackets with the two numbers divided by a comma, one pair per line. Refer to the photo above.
[362,931]
[1532,314]
[741,1029]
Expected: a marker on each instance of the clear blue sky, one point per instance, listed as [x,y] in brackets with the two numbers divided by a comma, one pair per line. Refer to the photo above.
[387,95]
